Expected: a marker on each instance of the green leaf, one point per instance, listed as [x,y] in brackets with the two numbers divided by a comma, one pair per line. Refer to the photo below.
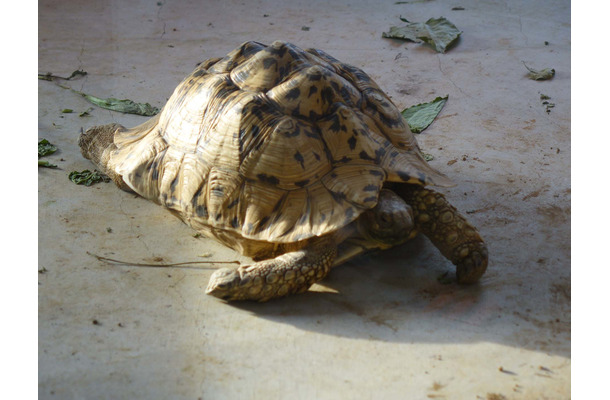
[439,33]
[87,177]
[46,164]
[542,75]
[420,116]
[124,106]
[45,148]
[67,111]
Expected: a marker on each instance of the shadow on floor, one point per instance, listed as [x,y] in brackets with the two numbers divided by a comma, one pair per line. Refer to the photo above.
[397,296]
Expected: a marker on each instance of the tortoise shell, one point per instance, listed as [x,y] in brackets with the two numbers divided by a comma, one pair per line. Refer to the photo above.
[272,144]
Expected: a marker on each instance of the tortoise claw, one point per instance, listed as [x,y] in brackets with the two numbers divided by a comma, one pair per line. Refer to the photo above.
[471,262]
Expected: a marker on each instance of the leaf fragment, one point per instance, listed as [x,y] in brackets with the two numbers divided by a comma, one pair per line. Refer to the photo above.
[539,75]
[439,33]
[125,106]
[420,116]
[86,112]
[46,164]
[45,148]
[87,177]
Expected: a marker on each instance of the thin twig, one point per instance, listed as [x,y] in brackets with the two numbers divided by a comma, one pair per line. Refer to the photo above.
[174,265]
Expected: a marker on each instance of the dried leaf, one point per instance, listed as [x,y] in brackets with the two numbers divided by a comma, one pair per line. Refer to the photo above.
[420,116]
[542,75]
[439,33]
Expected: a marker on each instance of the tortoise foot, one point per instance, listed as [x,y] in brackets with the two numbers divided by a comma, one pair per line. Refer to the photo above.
[286,274]
[471,262]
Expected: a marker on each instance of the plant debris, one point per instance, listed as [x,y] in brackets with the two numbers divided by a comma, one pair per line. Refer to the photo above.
[439,33]
[173,265]
[50,77]
[544,98]
[46,164]
[428,157]
[67,111]
[87,177]
[86,112]
[45,148]
[542,75]
[420,116]
[125,106]
[501,369]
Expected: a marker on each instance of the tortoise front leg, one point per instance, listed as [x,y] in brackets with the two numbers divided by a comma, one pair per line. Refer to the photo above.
[448,230]
[289,273]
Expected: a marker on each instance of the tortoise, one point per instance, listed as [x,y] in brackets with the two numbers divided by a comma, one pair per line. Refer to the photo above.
[292,158]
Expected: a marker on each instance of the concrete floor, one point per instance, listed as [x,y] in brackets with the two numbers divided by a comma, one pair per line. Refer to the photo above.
[381,327]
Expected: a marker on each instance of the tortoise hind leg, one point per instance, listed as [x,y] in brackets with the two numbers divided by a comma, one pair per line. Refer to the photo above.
[448,230]
[289,273]
[97,145]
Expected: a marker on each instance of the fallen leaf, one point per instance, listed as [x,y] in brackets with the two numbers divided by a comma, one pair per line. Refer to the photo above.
[542,75]
[125,106]
[46,164]
[87,177]
[420,116]
[45,148]
[439,33]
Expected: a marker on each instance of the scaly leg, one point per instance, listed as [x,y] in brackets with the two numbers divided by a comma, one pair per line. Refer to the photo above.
[289,273]
[448,230]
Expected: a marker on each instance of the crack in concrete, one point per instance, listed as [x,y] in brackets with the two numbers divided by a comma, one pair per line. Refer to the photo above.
[161,4]
[440,67]
[131,226]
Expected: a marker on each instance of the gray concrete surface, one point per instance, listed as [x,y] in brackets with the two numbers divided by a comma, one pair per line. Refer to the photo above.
[381,327]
